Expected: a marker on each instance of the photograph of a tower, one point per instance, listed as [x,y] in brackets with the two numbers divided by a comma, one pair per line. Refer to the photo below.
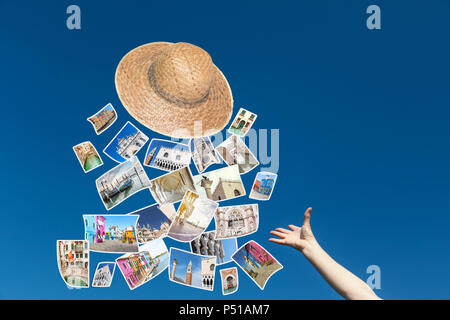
[103,119]
[73,262]
[121,182]
[111,233]
[172,186]
[127,142]
[193,217]
[207,245]
[221,184]
[167,155]
[257,263]
[203,153]
[153,223]
[88,156]
[191,269]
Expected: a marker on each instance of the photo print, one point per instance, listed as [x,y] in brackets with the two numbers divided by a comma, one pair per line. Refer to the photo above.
[203,153]
[139,268]
[242,122]
[207,245]
[263,186]
[104,274]
[153,222]
[121,182]
[167,155]
[256,262]
[221,184]
[88,156]
[73,262]
[127,142]
[103,119]
[172,186]
[191,269]
[112,233]
[234,151]
[230,280]
[236,221]
[193,217]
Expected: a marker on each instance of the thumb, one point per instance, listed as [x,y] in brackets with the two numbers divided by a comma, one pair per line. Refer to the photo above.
[307,219]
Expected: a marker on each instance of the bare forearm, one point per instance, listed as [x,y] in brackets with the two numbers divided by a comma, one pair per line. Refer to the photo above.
[343,281]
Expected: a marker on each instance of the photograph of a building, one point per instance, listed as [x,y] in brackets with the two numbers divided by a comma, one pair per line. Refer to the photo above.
[234,151]
[127,142]
[257,263]
[203,153]
[230,280]
[121,182]
[221,184]
[167,155]
[139,268]
[193,217]
[192,269]
[242,122]
[88,156]
[103,274]
[208,245]
[153,223]
[172,186]
[73,262]
[113,233]
[263,186]
[236,221]
[103,119]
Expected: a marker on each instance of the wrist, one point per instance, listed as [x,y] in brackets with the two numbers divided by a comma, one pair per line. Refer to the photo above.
[311,249]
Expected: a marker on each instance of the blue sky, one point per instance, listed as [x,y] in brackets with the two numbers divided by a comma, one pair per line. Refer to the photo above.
[111,150]
[363,119]
[107,107]
[152,216]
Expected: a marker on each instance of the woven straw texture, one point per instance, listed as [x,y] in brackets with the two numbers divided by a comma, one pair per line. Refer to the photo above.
[174,89]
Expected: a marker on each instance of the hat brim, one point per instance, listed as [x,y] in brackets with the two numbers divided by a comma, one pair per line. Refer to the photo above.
[139,98]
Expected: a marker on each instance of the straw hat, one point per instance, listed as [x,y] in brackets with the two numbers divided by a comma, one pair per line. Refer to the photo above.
[174,89]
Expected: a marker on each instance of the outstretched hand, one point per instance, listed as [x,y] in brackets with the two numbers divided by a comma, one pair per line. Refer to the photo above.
[300,238]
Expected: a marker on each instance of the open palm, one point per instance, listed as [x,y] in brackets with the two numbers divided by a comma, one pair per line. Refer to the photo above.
[298,237]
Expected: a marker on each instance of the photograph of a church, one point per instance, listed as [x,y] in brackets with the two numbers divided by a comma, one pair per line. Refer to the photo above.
[172,186]
[167,155]
[193,217]
[221,184]
[127,142]
[230,280]
[208,245]
[203,153]
[234,151]
[257,263]
[242,122]
[236,221]
[153,223]
[191,269]
[263,186]
[103,274]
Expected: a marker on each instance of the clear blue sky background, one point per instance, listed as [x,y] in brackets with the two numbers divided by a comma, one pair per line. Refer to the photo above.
[152,216]
[364,134]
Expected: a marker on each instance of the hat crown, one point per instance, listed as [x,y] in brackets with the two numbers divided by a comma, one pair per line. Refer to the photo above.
[184,72]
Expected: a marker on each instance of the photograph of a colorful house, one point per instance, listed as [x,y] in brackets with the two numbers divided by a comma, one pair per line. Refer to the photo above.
[264,185]
[136,268]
